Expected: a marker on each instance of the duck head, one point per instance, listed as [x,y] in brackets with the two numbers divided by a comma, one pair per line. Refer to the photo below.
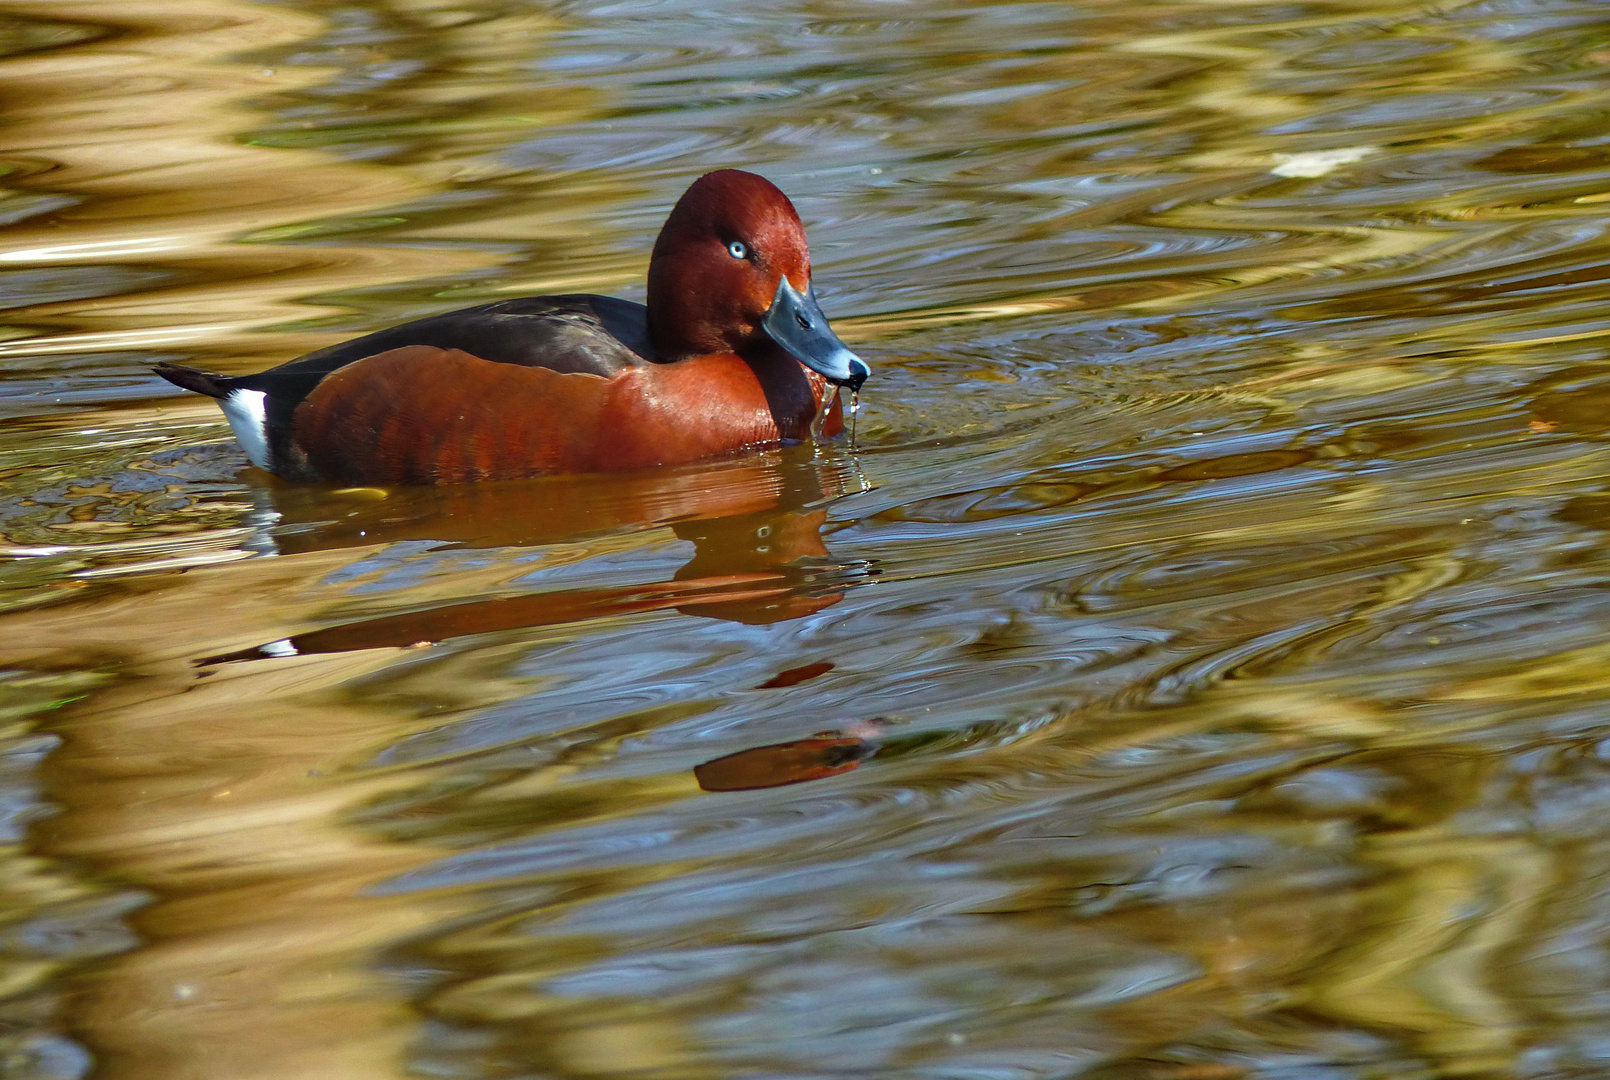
[731,272]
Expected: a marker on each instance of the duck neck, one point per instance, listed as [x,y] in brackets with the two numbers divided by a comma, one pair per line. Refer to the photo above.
[684,318]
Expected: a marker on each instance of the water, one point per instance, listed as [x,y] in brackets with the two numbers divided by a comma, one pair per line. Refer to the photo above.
[1195,671]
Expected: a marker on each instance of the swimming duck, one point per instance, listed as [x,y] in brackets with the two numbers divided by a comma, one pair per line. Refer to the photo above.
[731,351]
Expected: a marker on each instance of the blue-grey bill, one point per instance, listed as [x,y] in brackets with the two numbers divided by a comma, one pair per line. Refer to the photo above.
[795,321]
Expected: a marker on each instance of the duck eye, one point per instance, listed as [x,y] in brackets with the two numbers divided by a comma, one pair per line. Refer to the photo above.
[738,250]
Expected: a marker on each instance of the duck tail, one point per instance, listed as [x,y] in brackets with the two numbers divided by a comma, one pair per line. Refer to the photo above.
[202,382]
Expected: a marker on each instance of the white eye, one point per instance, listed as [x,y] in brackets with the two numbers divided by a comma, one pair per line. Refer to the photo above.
[738,250]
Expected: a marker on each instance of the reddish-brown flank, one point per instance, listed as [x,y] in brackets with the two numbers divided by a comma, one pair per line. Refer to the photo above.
[422,415]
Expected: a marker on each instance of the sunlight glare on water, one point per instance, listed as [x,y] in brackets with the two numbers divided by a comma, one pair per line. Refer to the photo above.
[1194,668]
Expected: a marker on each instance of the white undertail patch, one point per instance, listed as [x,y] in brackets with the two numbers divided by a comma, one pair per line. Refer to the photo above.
[249,421]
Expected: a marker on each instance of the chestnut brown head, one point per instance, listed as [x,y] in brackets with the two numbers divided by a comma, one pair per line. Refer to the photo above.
[731,270]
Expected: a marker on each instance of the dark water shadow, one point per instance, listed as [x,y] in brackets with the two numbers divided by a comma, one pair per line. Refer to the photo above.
[755,524]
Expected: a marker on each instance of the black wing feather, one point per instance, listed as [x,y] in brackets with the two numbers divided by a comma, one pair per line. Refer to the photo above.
[596,335]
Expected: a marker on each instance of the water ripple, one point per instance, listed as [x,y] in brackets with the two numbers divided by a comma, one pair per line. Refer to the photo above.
[1213,598]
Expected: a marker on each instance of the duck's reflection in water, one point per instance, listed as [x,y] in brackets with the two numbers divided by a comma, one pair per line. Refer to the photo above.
[755,525]
[827,753]
[758,558]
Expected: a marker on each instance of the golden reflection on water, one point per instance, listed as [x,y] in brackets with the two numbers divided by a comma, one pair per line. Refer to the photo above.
[1197,672]
[133,133]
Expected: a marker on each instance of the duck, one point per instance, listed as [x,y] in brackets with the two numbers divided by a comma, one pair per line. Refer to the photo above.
[731,352]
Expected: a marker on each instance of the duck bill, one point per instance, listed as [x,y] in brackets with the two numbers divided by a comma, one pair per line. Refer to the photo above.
[795,321]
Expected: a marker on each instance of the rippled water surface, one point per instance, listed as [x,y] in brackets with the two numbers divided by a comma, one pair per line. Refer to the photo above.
[1197,670]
